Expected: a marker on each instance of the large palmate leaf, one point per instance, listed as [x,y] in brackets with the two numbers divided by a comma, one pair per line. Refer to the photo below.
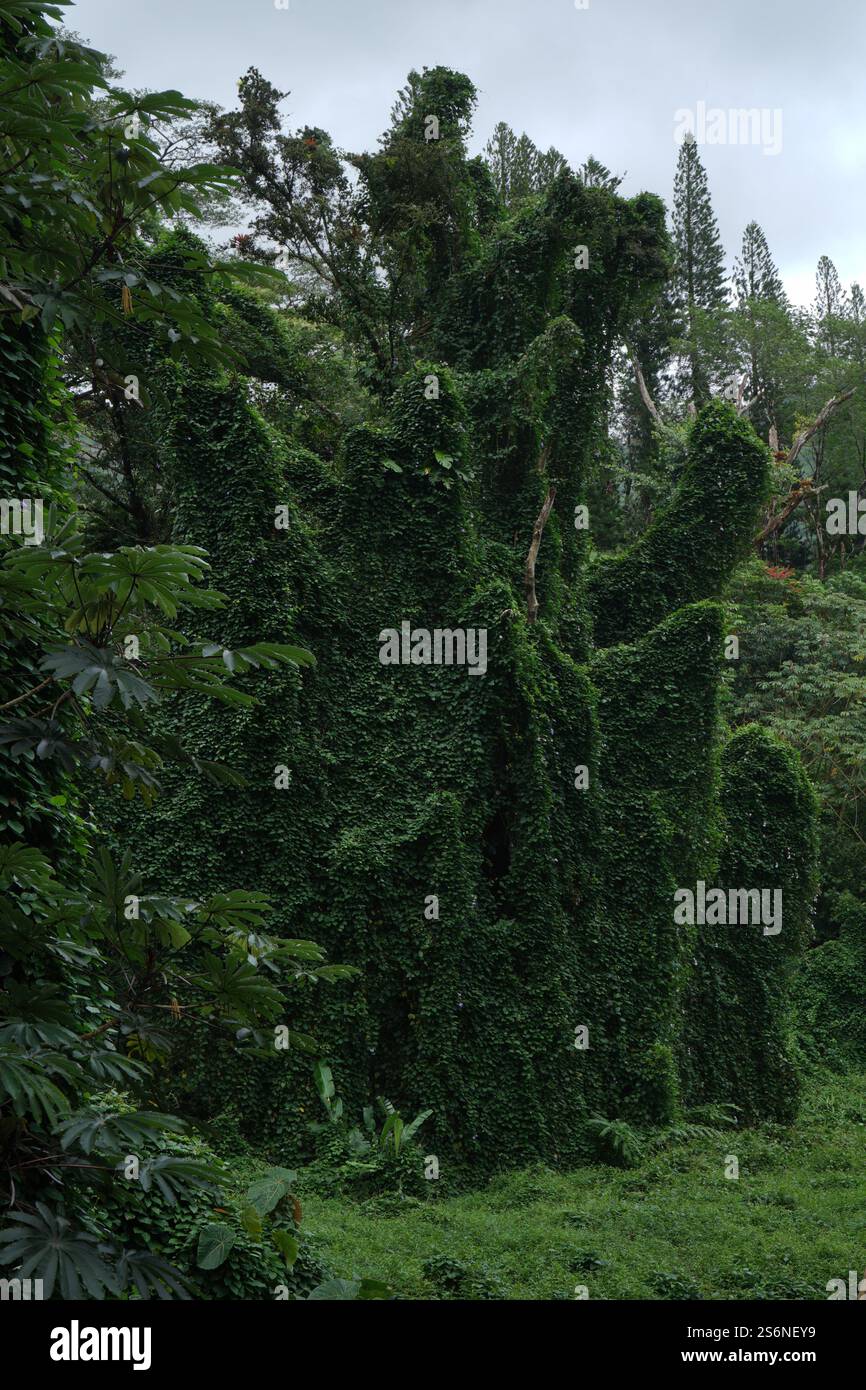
[116,1132]
[239,911]
[99,673]
[23,865]
[236,989]
[35,1014]
[33,1035]
[47,738]
[25,1082]
[171,1173]
[268,655]
[148,1273]
[162,575]
[108,1065]
[110,882]
[46,1246]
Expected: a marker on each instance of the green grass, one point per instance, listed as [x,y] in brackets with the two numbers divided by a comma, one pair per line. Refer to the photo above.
[671,1227]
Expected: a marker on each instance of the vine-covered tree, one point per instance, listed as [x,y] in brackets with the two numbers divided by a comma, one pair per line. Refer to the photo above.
[543,814]
[95,966]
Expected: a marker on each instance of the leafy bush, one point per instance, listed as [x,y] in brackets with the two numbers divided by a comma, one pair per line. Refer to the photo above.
[618,1141]
[675,1286]
[223,1242]
[454,1279]
[364,1160]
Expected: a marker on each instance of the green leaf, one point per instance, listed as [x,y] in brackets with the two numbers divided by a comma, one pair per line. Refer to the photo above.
[336,1289]
[46,1245]
[146,1273]
[287,1244]
[214,1245]
[416,1124]
[324,1080]
[24,1082]
[251,1221]
[100,1131]
[170,1173]
[269,1190]
[392,1132]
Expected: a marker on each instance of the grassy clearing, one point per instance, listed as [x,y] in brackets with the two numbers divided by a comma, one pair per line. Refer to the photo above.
[671,1227]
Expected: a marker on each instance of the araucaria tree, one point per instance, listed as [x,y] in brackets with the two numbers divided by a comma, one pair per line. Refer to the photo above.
[698,287]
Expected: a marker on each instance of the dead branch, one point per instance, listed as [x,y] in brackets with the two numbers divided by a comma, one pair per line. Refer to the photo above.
[642,386]
[743,407]
[793,500]
[529,573]
[803,488]
[818,423]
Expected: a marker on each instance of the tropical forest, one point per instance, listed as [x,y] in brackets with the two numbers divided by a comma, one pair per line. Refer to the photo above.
[432,709]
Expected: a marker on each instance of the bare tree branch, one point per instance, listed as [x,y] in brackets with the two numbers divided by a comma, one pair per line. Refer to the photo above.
[793,500]
[744,406]
[529,573]
[642,386]
[803,488]
[818,423]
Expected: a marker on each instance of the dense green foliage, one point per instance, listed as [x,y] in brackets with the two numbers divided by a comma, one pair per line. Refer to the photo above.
[740,999]
[390,407]
[667,1226]
[92,964]
[374,788]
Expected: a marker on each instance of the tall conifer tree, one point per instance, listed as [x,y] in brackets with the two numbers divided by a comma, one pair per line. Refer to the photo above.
[755,272]
[761,306]
[699,289]
[518,166]
[857,325]
[830,306]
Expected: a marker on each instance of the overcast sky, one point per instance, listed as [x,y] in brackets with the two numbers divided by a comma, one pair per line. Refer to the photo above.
[606,80]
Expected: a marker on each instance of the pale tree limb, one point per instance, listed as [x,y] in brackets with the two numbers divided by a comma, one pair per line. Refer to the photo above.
[818,423]
[793,500]
[642,386]
[529,572]
[744,406]
[741,391]
[804,488]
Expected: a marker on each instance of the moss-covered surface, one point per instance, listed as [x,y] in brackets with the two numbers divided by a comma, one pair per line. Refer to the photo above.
[408,781]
